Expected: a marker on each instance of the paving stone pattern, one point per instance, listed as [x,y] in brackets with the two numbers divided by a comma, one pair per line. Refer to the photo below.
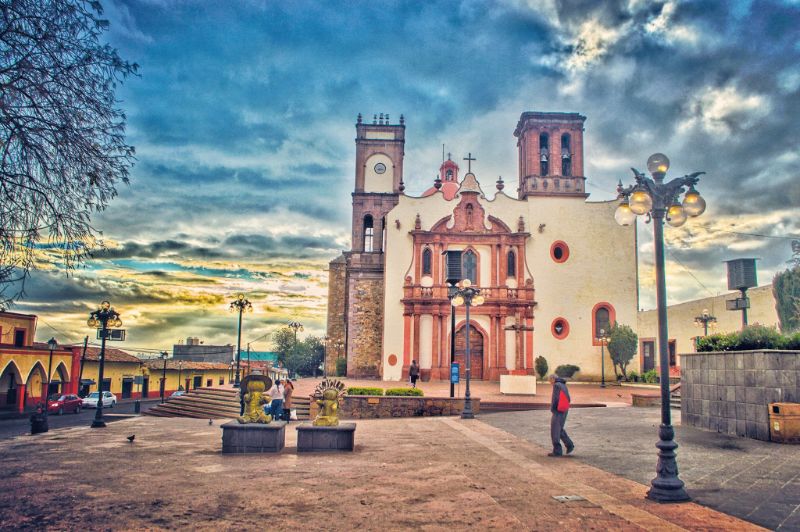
[750,479]
[731,392]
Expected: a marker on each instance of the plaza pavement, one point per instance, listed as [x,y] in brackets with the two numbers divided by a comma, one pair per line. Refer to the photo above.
[405,474]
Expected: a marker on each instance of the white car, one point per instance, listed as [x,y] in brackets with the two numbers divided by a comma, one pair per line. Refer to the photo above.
[109,400]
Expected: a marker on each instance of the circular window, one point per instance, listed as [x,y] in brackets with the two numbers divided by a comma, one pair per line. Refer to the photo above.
[380,168]
[560,328]
[392,360]
[559,251]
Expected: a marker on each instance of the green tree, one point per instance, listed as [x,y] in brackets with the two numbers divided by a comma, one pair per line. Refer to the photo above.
[283,343]
[786,289]
[622,345]
[303,358]
[62,136]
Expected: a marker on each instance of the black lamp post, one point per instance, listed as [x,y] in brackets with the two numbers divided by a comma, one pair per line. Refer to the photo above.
[180,374]
[240,304]
[603,337]
[104,317]
[53,345]
[659,201]
[164,376]
[468,296]
[296,326]
[704,319]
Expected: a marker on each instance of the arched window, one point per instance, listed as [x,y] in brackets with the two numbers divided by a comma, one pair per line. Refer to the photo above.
[426,261]
[544,153]
[469,266]
[369,233]
[511,263]
[566,155]
[603,317]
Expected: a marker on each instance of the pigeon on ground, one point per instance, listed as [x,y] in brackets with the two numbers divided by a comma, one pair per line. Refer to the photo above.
[619,395]
[210,421]
[131,437]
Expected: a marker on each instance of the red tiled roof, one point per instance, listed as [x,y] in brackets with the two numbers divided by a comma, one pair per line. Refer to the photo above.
[112,354]
[158,363]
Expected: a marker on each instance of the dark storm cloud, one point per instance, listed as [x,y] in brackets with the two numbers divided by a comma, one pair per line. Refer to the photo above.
[288,246]
[159,249]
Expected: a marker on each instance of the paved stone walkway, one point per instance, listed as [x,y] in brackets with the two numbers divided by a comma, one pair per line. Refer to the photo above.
[420,474]
[754,480]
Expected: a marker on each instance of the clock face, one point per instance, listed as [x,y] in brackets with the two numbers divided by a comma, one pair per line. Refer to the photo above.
[380,168]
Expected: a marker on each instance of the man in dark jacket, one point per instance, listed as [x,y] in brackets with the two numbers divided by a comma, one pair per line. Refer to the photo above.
[558,419]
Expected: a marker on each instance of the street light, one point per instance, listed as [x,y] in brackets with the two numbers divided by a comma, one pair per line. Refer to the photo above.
[704,319]
[468,296]
[659,201]
[53,345]
[104,317]
[325,340]
[164,376]
[603,337]
[297,326]
[180,374]
[240,304]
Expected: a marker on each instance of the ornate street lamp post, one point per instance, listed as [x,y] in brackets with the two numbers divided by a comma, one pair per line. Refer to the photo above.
[164,377]
[240,304]
[104,317]
[180,374]
[603,338]
[704,319]
[53,345]
[296,326]
[468,296]
[325,340]
[659,201]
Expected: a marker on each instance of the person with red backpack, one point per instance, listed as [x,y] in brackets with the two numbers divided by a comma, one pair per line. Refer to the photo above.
[559,406]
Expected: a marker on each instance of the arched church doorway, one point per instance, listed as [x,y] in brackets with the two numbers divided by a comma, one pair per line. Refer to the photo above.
[10,379]
[475,351]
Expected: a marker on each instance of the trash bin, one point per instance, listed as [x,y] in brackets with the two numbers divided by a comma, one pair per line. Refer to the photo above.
[137,407]
[784,422]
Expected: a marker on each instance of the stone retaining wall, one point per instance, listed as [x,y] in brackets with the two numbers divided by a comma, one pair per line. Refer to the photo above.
[730,392]
[375,406]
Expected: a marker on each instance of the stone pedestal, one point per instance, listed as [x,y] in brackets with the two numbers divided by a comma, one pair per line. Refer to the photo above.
[315,439]
[518,384]
[240,438]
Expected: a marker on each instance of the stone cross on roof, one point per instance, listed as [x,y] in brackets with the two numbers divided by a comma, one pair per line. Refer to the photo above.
[469,160]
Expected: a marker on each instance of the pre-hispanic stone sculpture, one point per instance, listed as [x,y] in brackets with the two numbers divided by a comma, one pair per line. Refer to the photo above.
[327,396]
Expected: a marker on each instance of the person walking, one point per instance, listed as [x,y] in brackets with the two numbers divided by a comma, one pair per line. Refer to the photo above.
[276,406]
[413,373]
[559,406]
[288,389]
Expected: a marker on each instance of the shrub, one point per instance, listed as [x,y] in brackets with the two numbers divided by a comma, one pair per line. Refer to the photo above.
[364,391]
[650,376]
[341,367]
[541,367]
[412,392]
[622,346]
[566,371]
[752,337]
[633,376]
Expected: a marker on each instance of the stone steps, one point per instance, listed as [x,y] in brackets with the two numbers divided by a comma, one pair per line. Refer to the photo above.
[213,403]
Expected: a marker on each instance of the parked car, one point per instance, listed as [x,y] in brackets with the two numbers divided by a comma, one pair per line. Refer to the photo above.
[109,400]
[58,404]
[178,393]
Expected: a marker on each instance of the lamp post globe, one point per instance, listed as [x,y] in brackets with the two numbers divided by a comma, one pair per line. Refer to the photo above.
[658,200]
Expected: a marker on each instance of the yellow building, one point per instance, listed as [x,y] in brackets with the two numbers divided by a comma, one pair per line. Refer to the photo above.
[683,331]
[120,372]
[27,366]
[185,375]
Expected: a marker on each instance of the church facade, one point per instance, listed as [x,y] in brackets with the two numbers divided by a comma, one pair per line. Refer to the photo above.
[553,267]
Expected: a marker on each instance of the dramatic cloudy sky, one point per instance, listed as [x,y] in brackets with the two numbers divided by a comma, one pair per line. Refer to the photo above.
[243,123]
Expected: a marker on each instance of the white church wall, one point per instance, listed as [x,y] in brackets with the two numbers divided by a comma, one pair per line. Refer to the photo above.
[399,254]
[426,337]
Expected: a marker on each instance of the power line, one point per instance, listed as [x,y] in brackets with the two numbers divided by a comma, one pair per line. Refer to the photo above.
[788,237]
[687,270]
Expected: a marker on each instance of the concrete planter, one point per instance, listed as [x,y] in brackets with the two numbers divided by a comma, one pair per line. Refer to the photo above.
[730,391]
[379,406]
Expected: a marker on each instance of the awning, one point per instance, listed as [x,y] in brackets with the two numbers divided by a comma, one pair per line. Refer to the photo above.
[87,381]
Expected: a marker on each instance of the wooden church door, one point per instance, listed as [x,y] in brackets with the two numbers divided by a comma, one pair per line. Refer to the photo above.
[475,349]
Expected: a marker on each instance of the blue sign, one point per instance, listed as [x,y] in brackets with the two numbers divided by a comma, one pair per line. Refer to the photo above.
[454,373]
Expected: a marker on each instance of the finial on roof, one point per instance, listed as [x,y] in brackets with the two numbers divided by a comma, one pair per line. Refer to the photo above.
[500,184]
[437,183]
[359,118]
[521,225]
[402,186]
[387,119]
[402,120]
[380,118]
[374,119]
[417,222]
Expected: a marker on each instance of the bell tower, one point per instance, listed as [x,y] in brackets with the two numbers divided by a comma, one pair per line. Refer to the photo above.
[550,154]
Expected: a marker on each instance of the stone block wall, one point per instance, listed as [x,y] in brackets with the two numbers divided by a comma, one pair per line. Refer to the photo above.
[337,301]
[371,407]
[365,331]
[730,392]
